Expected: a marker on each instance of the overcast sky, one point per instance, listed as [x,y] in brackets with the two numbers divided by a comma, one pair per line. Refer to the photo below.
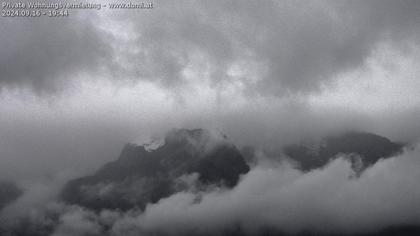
[74,90]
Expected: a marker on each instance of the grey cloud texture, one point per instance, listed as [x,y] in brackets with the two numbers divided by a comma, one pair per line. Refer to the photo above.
[47,54]
[213,55]
[271,196]
[325,200]
[76,135]
[294,46]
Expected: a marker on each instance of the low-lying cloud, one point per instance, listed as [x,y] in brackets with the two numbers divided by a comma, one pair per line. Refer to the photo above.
[324,200]
[273,195]
[73,91]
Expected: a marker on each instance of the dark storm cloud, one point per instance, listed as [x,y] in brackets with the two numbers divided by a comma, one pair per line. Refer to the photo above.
[298,44]
[277,48]
[308,44]
[44,53]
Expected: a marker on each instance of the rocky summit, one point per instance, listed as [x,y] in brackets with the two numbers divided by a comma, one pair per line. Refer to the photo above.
[144,175]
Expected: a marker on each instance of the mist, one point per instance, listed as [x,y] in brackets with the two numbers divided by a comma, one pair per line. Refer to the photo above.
[75,90]
[273,195]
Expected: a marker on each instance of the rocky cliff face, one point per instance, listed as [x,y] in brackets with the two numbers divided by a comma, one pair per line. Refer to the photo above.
[145,174]
[367,149]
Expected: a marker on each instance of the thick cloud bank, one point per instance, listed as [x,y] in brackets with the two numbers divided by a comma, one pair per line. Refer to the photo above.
[272,197]
[269,47]
[283,198]
[266,73]
[312,68]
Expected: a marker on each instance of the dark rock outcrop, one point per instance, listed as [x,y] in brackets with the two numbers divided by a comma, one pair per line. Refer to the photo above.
[369,147]
[140,175]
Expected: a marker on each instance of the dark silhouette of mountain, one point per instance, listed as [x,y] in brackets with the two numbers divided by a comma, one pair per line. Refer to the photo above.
[402,230]
[8,193]
[142,175]
[369,148]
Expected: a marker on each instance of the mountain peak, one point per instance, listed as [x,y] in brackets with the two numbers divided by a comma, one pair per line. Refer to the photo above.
[140,176]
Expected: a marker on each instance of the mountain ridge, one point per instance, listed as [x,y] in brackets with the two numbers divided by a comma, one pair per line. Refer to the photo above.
[366,148]
[139,177]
